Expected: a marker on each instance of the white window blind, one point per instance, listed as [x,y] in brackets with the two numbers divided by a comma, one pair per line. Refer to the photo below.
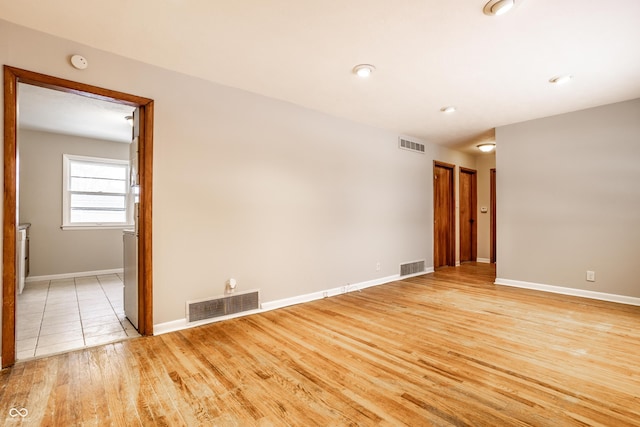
[95,192]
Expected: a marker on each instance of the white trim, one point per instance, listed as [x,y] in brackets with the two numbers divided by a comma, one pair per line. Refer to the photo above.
[272,305]
[73,275]
[622,299]
[166,327]
[483,260]
[427,270]
[179,324]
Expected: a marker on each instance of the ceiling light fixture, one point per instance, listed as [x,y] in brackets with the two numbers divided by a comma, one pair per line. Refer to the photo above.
[499,7]
[559,80]
[449,109]
[487,147]
[363,70]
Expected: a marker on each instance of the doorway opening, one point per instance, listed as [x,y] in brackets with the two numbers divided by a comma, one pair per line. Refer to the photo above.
[12,77]
[492,219]
[468,195]
[443,215]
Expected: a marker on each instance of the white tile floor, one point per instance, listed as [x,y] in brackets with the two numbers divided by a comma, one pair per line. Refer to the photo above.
[62,315]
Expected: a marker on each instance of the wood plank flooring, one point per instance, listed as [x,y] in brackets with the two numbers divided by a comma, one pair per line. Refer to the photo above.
[448,348]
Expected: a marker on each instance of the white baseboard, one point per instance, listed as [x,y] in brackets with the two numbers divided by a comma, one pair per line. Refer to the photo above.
[483,260]
[72,275]
[427,270]
[272,305]
[176,325]
[622,299]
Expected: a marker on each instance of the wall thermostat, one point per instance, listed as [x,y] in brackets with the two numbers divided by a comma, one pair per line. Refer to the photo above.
[484,209]
[79,62]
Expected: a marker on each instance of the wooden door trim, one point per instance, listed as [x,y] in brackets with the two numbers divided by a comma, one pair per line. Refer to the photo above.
[451,253]
[492,232]
[13,76]
[444,165]
[474,210]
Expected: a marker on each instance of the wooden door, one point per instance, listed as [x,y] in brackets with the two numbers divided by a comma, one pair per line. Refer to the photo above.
[492,218]
[468,196]
[443,215]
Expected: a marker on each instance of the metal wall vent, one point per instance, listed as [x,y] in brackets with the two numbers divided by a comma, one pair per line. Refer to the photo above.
[405,144]
[222,306]
[411,268]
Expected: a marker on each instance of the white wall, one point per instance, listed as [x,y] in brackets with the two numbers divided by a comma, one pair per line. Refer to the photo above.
[569,199]
[280,197]
[53,250]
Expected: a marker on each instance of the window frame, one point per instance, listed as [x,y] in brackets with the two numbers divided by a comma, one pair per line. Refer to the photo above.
[67,159]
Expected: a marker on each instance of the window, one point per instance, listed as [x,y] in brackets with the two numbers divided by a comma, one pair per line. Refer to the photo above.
[95,192]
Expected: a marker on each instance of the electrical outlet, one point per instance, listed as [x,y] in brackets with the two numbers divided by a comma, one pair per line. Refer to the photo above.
[591,276]
[378,266]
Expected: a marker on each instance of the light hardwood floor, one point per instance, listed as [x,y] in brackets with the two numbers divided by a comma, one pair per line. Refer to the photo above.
[448,348]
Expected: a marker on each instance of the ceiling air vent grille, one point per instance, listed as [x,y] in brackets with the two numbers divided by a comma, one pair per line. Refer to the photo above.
[405,144]
[222,306]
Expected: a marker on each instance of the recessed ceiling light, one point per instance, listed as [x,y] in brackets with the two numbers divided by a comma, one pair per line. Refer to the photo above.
[559,80]
[363,70]
[499,7]
[449,109]
[487,147]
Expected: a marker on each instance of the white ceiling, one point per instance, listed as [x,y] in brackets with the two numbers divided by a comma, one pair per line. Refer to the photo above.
[428,54]
[59,112]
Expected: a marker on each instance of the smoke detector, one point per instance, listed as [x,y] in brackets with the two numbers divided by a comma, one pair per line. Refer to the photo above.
[79,62]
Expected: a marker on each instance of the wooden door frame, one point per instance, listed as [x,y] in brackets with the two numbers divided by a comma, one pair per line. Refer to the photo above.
[13,76]
[451,253]
[492,232]
[474,210]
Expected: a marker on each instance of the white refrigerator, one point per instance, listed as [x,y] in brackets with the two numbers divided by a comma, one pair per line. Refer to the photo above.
[21,255]
[130,237]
